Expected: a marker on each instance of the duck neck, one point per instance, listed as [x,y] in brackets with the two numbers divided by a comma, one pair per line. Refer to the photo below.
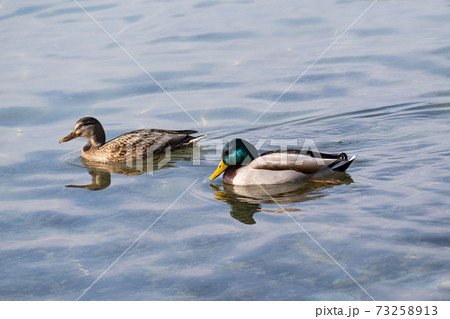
[96,140]
[229,174]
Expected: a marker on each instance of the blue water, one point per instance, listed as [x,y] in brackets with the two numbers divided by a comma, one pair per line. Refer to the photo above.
[382,91]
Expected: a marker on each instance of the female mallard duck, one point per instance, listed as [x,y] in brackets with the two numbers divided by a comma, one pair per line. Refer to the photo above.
[244,166]
[138,144]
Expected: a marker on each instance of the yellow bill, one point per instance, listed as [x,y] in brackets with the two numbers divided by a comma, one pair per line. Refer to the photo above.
[69,137]
[222,166]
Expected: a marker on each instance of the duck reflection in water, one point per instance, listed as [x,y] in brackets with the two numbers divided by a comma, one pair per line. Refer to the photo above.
[101,172]
[245,201]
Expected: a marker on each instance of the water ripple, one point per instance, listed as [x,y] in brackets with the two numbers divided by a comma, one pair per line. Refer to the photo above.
[207,37]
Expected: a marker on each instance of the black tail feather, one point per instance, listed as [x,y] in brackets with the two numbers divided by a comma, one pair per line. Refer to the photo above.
[341,166]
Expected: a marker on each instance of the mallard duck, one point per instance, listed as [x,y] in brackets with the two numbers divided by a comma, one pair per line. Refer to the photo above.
[244,166]
[134,145]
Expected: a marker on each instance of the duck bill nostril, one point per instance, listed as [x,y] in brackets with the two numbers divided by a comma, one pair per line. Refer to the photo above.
[69,137]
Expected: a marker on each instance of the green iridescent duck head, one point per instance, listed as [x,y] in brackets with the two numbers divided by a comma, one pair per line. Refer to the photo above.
[237,152]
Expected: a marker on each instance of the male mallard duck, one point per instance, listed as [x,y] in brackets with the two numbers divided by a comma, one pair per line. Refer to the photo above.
[138,144]
[244,166]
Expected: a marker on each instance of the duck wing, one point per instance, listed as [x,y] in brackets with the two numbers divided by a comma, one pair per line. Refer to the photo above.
[305,162]
[148,142]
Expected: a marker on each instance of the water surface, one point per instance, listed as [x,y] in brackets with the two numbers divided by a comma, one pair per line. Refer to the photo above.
[382,92]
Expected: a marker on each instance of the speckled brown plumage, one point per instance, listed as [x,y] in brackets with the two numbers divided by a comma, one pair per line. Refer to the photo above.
[135,145]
